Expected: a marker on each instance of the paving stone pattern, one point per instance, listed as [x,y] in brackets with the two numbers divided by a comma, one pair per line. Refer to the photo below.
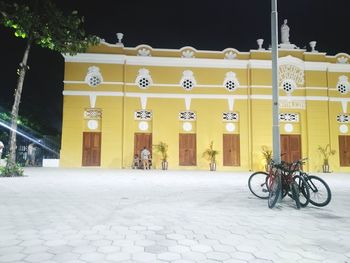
[99,215]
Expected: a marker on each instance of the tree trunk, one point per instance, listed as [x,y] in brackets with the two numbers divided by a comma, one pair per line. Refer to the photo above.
[11,161]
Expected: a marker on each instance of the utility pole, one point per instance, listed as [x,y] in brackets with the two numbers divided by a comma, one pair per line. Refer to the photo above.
[275,105]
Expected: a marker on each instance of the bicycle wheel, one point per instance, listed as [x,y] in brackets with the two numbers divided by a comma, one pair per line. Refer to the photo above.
[295,194]
[274,184]
[320,193]
[257,184]
[304,192]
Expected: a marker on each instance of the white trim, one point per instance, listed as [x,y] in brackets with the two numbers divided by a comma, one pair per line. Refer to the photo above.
[188,103]
[344,105]
[183,96]
[143,100]
[83,82]
[94,93]
[231,102]
[339,99]
[93,98]
[186,62]
[95,58]
[316,66]
[339,68]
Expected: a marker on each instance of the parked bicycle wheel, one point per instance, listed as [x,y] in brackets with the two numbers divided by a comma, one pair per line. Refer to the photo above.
[304,192]
[257,184]
[274,185]
[295,194]
[320,193]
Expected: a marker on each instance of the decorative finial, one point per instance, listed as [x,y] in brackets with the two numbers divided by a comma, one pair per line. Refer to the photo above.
[260,42]
[120,37]
[313,45]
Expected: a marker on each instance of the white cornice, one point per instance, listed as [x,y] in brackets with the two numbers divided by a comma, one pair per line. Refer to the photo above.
[339,68]
[95,93]
[186,62]
[95,58]
[200,62]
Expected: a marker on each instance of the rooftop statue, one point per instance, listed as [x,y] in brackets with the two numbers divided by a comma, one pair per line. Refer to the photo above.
[285,33]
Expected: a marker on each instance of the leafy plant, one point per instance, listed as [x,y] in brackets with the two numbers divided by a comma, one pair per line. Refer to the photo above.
[267,154]
[326,152]
[210,154]
[10,171]
[162,148]
[41,23]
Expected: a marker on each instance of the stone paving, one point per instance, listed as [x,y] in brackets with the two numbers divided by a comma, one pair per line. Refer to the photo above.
[95,215]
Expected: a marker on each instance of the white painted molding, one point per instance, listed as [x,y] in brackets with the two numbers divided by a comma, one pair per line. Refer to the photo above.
[143,100]
[95,58]
[231,102]
[183,96]
[339,68]
[188,102]
[92,100]
[83,82]
[95,93]
[182,62]
[344,105]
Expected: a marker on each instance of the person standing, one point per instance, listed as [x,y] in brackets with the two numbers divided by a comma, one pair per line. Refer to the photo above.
[1,148]
[145,157]
[31,154]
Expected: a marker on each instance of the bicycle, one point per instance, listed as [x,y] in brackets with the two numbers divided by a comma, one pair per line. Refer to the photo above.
[320,193]
[280,179]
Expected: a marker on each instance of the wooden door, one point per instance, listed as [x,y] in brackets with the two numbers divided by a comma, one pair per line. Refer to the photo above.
[344,150]
[142,140]
[187,149]
[290,148]
[231,150]
[91,149]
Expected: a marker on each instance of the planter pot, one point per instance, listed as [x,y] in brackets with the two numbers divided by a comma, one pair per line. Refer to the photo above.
[325,168]
[212,166]
[164,165]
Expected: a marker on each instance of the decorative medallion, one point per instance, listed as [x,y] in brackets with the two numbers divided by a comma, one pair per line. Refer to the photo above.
[93,77]
[187,116]
[343,128]
[188,82]
[143,126]
[343,85]
[143,115]
[230,116]
[230,127]
[143,79]
[92,124]
[289,117]
[288,127]
[187,126]
[231,82]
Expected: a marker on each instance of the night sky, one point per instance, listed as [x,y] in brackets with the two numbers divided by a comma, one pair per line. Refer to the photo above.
[204,25]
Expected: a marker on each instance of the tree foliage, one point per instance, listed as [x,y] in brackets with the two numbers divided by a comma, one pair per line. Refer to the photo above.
[47,26]
[40,22]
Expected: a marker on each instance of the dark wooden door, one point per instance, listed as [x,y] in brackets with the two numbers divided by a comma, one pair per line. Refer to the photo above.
[91,149]
[142,140]
[187,149]
[344,150]
[290,147]
[231,150]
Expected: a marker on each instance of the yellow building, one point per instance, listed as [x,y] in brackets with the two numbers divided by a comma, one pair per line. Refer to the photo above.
[118,100]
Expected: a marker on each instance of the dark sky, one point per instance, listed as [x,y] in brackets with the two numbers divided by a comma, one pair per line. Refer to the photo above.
[205,25]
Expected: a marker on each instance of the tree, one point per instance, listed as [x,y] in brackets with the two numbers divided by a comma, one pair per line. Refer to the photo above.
[42,24]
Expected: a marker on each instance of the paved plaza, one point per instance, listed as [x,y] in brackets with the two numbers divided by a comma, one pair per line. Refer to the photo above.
[95,215]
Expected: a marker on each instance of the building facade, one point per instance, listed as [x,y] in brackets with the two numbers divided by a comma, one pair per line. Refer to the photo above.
[118,100]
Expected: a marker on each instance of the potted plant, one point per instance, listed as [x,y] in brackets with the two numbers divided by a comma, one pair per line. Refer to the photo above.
[267,156]
[210,155]
[326,152]
[162,148]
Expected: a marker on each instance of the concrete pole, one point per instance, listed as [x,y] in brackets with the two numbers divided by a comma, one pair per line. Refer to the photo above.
[275,110]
